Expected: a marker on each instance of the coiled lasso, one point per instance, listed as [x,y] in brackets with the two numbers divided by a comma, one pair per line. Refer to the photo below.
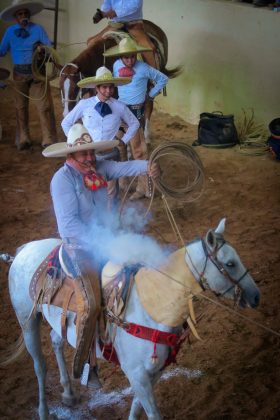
[189,173]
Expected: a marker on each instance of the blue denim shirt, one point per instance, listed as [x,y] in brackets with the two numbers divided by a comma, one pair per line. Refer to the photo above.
[22,48]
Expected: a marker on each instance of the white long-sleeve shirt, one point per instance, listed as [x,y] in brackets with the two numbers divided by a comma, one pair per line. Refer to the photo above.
[102,128]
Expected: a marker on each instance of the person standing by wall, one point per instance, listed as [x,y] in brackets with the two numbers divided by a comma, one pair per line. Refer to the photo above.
[21,40]
[135,94]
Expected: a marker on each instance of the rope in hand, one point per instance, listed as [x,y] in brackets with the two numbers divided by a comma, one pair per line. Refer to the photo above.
[190,171]
[40,60]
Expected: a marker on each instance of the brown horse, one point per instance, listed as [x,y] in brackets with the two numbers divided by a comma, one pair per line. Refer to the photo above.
[90,59]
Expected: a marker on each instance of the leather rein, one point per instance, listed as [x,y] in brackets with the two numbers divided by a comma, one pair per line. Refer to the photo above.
[212,256]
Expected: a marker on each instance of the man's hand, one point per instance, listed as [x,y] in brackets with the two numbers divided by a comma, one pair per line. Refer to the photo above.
[154,171]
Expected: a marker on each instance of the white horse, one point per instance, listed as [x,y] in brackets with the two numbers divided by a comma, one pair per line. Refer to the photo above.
[214,264]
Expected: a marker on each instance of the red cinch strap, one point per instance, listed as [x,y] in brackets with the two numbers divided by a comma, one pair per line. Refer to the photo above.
[156,336]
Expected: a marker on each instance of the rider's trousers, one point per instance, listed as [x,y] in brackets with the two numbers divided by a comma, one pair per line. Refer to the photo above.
[40,94]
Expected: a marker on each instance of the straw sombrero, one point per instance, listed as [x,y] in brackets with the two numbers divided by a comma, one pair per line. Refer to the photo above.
[78,140]
[125,46]
[103,77]
[4,74]
[8,13]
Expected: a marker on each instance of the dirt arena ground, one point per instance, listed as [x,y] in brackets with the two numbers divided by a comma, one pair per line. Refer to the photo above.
[234,373]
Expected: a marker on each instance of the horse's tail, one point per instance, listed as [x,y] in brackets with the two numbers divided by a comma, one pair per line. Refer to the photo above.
[13,353]
[7,258]
[172,73]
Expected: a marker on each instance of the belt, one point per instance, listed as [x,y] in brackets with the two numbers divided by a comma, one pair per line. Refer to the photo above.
[23,68]
[136,106]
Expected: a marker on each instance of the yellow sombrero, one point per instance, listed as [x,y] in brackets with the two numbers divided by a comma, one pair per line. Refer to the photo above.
[78,140]
[103,77]
[8,13]
[125,46]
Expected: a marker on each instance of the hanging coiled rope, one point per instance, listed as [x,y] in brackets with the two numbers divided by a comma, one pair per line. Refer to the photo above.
[45,63]
[45,67]
[178,163]
[190,171]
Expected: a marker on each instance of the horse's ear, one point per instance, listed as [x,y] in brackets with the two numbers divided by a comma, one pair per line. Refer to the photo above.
[221,226]
[210,239]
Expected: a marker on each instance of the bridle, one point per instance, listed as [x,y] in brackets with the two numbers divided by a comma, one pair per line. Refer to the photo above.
[212,256]
[63,99]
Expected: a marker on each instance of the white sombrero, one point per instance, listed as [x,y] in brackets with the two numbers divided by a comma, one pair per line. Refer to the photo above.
[126,46]
[103,77]
[78,140]
[8,14]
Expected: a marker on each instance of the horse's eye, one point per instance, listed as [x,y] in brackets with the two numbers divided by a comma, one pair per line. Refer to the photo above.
[230,264]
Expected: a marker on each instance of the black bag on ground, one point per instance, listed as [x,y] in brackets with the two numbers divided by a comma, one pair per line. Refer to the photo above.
[216,130]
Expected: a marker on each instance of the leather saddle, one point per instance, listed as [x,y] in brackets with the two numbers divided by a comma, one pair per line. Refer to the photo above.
[55,283]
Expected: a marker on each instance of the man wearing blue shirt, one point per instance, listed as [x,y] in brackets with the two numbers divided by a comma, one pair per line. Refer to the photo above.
[79,197]
[21,39]
[134,95]
[128,15]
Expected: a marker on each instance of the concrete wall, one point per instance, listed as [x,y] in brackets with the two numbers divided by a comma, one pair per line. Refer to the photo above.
[230,52]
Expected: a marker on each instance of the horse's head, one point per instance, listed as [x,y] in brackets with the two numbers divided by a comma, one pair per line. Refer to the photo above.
[68,79]
[217,266]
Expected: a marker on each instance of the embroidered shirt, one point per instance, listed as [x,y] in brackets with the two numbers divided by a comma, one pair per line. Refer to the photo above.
[22,48]
[102,128]
[126,10]
[76,206]
[134,92]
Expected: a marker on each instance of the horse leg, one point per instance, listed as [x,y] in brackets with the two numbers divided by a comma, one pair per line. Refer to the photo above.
[142,386]
[32,339]
[149,105]
[68,396]
[136,410]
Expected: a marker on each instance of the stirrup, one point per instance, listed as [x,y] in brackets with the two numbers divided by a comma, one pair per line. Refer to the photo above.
[90,378]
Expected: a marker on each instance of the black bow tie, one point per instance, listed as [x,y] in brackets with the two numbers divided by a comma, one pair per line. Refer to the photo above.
[103,109]
[22,33]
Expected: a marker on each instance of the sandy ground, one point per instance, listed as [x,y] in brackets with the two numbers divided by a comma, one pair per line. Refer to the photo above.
[234,372]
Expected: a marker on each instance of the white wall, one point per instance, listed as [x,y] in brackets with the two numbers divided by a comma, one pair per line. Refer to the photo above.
[230,52]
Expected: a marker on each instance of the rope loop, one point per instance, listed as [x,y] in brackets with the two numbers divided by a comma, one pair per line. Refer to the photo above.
[190,167]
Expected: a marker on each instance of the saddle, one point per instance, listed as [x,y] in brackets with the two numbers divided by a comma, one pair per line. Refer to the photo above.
[53,284]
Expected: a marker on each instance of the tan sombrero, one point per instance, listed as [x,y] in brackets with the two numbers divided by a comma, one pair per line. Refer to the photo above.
[78,140]
[8,14]
[125,46]
[103,77]
[4,74]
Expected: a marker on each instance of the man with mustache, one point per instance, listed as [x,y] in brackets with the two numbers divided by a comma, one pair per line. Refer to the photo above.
[79,197]
[21,40]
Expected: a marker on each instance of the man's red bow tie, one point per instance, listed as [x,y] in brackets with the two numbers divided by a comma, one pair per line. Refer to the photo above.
[95,181]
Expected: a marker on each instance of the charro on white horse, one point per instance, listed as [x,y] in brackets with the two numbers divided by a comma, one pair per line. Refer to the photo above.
[206,263]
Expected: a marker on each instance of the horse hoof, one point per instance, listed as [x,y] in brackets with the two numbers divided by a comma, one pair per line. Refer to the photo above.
[70,401]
